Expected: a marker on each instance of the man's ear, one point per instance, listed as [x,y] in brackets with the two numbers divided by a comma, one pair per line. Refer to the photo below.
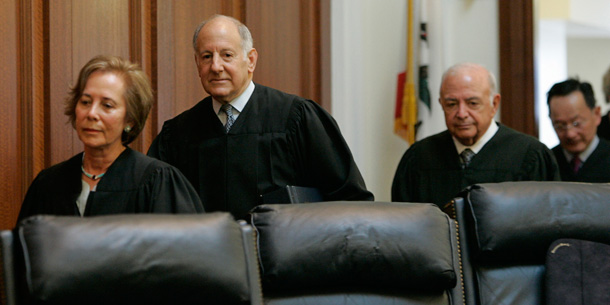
[597,113]
[496,102]
[252,58]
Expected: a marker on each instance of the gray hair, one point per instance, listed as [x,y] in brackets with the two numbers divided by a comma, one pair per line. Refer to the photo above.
[247,43]
[468,65]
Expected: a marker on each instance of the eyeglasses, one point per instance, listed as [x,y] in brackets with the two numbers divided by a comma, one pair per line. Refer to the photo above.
[560,126]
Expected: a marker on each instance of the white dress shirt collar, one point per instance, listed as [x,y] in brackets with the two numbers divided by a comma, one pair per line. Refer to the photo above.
[238,103]
[476,147]
[585,154]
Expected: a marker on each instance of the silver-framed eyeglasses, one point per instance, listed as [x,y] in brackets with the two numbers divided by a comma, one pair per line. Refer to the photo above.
[561,126]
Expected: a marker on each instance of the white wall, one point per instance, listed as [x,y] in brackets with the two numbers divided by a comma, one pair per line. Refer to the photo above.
[589,59]
[551,67]
[368,39]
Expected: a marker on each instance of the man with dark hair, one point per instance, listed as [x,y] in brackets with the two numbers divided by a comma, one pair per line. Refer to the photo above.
[473,149]
[246,140]
[581,155]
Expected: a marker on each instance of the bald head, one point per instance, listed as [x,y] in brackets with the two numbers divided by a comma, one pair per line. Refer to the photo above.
[474,69]
[469,101]
[247,43]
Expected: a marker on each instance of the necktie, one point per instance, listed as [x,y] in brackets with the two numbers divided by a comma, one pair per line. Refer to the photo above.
[228,109]
[466,156]
[576,163]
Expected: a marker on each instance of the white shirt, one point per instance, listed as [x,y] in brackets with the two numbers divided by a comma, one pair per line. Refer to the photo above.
[585,154]
[476,147]
[81,201]
[239,103]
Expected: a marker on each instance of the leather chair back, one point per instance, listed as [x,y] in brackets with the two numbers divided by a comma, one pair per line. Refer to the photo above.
[357,253]
[136,259]
[506,228]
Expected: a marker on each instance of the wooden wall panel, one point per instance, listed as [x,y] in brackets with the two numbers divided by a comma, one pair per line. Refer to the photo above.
[178,84]
[142,37]
[45,44]
[98,27]
[285,28]
[310,46]
[63,141]
[516,24]
[290,39]
[10,169]
[31,87]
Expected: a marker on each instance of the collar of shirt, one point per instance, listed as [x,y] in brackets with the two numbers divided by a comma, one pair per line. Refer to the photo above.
[238,104]
[585,154]
[491,131]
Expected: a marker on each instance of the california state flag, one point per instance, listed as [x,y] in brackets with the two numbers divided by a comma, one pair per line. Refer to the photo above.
[405,112]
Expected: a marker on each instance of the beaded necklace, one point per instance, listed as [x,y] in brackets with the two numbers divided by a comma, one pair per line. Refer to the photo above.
[94,177]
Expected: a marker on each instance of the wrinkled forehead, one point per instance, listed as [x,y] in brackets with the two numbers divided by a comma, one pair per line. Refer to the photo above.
[569,105]
[465,84]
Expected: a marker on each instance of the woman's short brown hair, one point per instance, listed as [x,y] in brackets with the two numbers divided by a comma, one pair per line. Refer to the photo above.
[138,93]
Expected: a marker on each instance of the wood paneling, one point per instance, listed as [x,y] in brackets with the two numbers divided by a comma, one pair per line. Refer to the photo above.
[285,28]
[63,141]
[289,34]
[141,39]
[517,65]
[45,44]
[10,155]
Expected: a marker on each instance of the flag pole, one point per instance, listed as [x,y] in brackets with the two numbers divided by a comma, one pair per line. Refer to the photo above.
[409,102]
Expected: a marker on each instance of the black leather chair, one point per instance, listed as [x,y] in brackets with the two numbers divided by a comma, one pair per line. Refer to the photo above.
[357,253]
[131,259]
[506,228]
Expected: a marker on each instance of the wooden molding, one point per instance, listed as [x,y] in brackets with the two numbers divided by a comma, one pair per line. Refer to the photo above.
[517,65]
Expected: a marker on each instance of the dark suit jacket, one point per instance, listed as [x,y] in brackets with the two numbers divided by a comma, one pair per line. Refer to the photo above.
[595,169]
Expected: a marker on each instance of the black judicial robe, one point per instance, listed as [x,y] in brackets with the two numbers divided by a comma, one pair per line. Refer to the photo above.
[596,169]
[278,139]
[134,183]
[430,169]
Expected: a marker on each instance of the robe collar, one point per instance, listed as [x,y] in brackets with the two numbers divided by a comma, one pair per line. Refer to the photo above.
[491,131]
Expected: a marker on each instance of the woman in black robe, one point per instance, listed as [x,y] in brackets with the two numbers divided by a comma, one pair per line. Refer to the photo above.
[108,108]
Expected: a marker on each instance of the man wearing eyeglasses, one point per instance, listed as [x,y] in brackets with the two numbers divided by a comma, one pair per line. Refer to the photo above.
[473,149]
[582,156]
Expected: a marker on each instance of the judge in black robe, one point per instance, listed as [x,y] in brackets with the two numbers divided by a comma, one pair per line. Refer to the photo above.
[276,140]
[279,139]
[134,183]
[108,107]
[582,155]
[430,170]
[595,169]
